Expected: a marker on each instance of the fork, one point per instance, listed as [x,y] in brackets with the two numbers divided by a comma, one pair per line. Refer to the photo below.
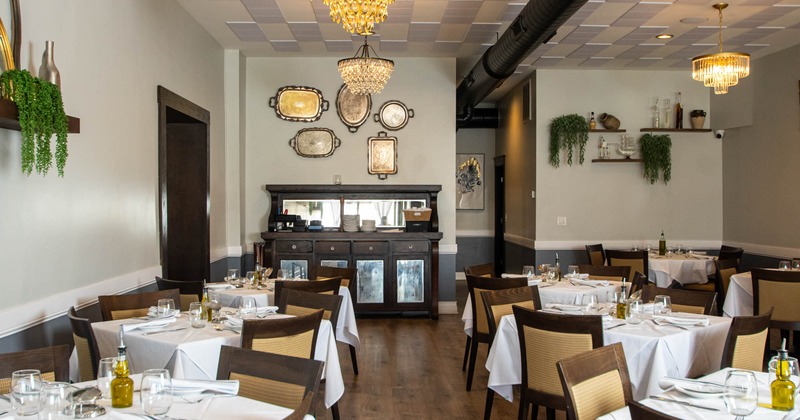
[205,395]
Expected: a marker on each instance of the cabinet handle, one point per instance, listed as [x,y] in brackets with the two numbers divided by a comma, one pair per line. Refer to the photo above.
[294,246]
[333,248]
[370,248]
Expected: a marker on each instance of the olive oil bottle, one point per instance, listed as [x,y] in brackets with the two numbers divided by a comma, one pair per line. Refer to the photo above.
[662,245]
[782,388]
[121,385]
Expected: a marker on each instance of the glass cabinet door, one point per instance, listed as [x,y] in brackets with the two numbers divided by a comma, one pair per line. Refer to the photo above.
[369,281]
[295,269]
[410,280]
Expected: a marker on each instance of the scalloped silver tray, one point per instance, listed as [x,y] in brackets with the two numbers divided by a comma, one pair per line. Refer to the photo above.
[299,103]
[315,142]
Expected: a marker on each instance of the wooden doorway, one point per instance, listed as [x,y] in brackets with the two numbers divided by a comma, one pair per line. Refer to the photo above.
[499,214]
[183,186]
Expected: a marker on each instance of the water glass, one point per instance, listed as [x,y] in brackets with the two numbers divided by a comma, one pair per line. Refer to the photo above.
[572,271]
[197,317]
[528,271]
[662,305]
[105,373]
[214,305]
[634,311]
[247,307]
[26,390]
[588,303]
[679,248]
[795,264]
[166,307]
[741,392]
[794,369]
[784,265]
[156,393]
[281,274]
[56,401]
[233,276]
[552,275]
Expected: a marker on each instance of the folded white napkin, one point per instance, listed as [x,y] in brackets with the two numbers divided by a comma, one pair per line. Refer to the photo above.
[153,313]
[690,384]
[534,282]
[266,310]
[219,286]
[682,320]
[186,386]
[563,307]
[160,322]
[582,282]
[509,275]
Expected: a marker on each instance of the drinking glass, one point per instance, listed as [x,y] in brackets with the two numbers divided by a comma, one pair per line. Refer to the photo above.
[233,276]
[679,248]
[794,369]
[784,265]
[552,275]
[572,271]
[105,373]
[247,307]
[649,248]
[795,264]
[26,390]
[635,247]
[214,305]
[662,305]
[528,271]
[56,401]
[689,250]
[741,393]
[166,307]
[196,315]
[543,269]
[634,311]
[670,250]
[156,393]
[588,303]
[251,280]
[281,274]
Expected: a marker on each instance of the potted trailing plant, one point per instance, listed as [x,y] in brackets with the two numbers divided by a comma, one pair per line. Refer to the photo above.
[657,156]
[566,133]
[41,114]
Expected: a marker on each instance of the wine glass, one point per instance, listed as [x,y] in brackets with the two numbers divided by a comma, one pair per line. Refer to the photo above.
[662,305]
[247,307]
[166,307]
[552,275]
[56,401]
[784,265]
[572,271]
[251,280]
[105,373]
[26,390]
[528,271]
[588,303]
[233,276]
[543,269]
[156,393]
[741,393]
[794,369]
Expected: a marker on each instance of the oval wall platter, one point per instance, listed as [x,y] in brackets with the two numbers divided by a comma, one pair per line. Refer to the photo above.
[353,109]
[315,142]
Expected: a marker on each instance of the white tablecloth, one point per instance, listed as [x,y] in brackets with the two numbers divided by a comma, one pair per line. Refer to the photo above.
[685,268]
[652,352]
[346,328]
[561,292]
[193,353]
[739,299]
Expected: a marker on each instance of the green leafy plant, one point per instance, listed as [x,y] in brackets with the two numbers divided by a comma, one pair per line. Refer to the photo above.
[657,156]
[566,133]
[41,114]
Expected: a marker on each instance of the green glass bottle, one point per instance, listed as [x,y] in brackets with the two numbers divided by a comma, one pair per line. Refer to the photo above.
[121,385]
[782,388]
[662,244]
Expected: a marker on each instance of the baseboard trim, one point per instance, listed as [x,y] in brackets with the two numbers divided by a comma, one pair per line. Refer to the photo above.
[448,307]
[626,244]
[766,250]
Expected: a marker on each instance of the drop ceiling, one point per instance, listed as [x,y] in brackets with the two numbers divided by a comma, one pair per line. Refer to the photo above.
[610,34]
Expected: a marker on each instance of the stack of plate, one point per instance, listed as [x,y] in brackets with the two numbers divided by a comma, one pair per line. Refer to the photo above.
[368,225]
[350,222]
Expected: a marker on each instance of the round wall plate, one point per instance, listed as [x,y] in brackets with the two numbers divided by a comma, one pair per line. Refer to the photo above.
[394,115]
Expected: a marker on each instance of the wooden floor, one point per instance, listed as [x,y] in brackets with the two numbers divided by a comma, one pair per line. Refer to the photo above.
[410,368]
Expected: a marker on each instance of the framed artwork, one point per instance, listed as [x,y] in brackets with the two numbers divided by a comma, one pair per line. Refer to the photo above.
[469,181]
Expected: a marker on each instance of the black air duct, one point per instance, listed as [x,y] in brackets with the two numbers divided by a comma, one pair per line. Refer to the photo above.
[535,25]
[480,118]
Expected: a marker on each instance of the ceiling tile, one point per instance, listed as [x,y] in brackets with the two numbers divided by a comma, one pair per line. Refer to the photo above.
[482,32]
[306,31]
[285,46]
[423,31]
[452,32]
[247,31]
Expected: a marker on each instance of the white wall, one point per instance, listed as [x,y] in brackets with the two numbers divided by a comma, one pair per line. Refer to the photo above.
[613,202]
[95,231]
[478,222]
[426,146]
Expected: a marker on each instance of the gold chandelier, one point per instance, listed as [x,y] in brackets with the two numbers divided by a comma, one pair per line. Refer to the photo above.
[364,74]
[721,70]
[358,16]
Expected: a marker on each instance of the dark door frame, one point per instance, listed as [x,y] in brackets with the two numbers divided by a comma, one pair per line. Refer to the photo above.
[499,214]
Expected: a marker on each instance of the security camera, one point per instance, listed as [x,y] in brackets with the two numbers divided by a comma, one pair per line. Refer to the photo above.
[719,133]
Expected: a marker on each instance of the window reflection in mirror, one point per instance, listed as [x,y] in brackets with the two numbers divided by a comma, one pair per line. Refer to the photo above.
[386,213]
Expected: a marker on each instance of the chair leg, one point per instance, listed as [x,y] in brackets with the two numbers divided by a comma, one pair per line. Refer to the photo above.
[523,409]
[487,413]
[353,358]
[472,356]
[466,354]
[535,412]
[335,410]
[551,413]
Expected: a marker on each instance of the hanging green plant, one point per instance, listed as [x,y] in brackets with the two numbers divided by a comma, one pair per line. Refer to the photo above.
[566,133]
[657,156]
[41,114]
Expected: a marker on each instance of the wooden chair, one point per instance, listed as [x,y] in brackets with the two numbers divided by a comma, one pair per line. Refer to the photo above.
[779,290]
[682,300]
[746,342]
[191,290]
[606,272]
[498,303]
[52,362]
[85,345]
[130,306]
[724,269]
[595,382]
[640,411]
[637,260]
[638,283]
[482,270]
[328,286]
[347,274]
[295,336]
[291,382]
[596,253]
[731,253]
[480,324]
[544,339]
[305,408]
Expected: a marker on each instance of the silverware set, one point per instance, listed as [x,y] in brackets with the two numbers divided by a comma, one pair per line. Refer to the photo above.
[164,331]
[688,404]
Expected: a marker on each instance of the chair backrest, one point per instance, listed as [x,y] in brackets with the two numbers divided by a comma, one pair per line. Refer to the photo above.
[747,337]
[544,339]
[596,253]
[328,286]
[298,302]
[293,336]
[638,283]
[606,272]
[725,268]
[498,303]
[690,301]
[52,362]
[482,270]
[595,382]
[305,408]
[129,306]
[475,285]
[779,290]
[731,252]
[272,378]
[637,260]
[347,274]
[85,345]
[640,411]
[191,290]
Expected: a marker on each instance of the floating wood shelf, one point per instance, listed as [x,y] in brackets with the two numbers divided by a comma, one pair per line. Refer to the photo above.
[616,160]
[676,130]
[604,130]
[9,118]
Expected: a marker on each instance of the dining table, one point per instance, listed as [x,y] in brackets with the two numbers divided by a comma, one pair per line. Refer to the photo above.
[739,298]
[193,353]
[685,268]
[652,351]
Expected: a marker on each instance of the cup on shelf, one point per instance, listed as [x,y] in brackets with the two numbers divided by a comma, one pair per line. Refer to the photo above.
[784,265]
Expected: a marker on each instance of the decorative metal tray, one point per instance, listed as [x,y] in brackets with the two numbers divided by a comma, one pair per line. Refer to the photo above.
[315,142]
[353,109]
[382,155]
[298,103]
[394,115]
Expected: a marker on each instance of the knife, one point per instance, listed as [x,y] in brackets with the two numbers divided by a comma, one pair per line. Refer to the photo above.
[165,331]
[688,404]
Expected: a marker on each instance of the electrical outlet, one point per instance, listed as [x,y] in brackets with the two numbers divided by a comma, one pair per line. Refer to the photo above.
[561,220]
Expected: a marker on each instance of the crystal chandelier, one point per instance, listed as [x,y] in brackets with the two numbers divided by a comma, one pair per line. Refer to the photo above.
[364,74]
[721,70]
[358,16]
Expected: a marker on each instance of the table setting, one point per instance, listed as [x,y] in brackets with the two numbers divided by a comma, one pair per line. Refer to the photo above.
[689,267]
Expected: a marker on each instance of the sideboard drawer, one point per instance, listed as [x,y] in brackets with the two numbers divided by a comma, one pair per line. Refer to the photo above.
[370,247]
[293,246]
[332,247]
[410,246]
